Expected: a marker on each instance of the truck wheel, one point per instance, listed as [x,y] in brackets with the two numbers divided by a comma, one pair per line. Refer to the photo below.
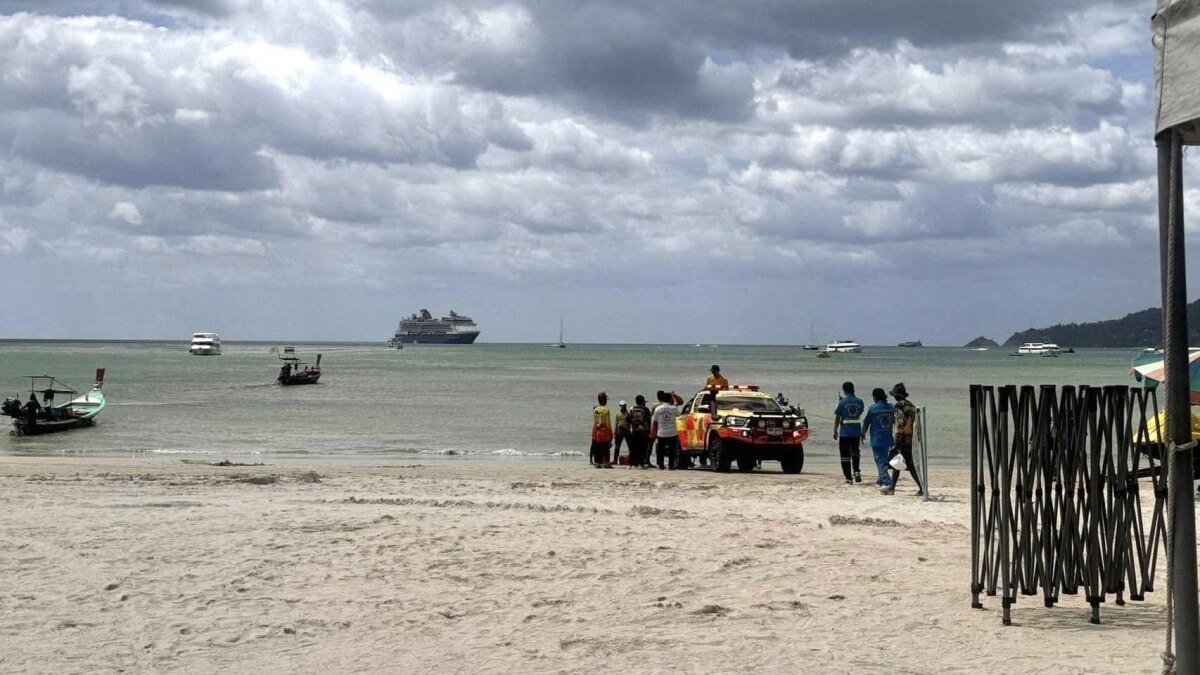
[746,460]
[793,463]
[720,452]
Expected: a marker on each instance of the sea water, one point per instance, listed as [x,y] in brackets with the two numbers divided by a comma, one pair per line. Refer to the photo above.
[483,399]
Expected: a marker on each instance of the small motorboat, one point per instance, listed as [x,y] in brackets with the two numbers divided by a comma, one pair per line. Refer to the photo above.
[45,417]
[295,371]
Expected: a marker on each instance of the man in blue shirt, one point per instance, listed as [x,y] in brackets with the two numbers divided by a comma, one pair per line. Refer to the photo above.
[877,426]
[847,431]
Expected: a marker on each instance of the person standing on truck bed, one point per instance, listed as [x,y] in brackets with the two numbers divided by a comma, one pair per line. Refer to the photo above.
[847,431]
[716,380]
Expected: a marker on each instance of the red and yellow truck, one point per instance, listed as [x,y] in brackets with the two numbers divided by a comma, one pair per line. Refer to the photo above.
[741,424]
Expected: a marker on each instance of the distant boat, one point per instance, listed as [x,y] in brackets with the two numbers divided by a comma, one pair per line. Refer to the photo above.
[1038,349]
[561,344]
[824,354]
[843,347]
[295,371]
[913,343]
[812,345]
[36,418]
[205,344]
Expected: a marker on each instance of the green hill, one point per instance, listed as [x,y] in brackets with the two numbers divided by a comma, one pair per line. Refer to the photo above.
[1139,329]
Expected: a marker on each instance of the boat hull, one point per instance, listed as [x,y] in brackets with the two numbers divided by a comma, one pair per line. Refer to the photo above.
[24,428]
[436,339]
[299,379]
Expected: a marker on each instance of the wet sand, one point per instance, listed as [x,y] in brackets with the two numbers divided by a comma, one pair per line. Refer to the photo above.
[481,566]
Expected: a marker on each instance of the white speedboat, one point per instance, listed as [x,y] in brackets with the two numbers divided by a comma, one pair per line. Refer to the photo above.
[1038,349]
[843,347]
[205,344]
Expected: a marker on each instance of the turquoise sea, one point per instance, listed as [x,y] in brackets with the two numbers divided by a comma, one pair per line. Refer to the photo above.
[483,399]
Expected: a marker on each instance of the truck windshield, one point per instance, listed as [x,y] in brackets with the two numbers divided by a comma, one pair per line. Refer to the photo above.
[759,404]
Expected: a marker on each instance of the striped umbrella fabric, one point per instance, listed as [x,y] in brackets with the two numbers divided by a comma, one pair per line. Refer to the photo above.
[1152,372]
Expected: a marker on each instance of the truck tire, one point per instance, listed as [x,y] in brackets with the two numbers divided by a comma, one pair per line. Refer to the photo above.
[746,459]
[721,453]
[793,463]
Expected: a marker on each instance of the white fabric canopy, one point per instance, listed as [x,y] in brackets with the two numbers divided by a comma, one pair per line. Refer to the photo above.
[1176,26]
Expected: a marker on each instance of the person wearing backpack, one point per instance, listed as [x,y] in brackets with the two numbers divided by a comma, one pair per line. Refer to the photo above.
[602,432]
[638,436]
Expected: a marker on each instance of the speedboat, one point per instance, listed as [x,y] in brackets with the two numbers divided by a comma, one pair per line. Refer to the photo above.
[205,344]
[843,347]
[45,417]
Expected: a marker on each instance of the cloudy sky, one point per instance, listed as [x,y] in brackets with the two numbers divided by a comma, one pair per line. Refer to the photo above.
[675,171]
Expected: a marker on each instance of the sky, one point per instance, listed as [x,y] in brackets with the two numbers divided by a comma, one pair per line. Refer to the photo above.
[679,171]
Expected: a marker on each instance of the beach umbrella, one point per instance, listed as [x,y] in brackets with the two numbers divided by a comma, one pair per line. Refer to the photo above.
[1152,371]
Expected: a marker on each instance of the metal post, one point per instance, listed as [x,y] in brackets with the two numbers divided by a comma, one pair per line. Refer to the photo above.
[924,445]
[1182,536]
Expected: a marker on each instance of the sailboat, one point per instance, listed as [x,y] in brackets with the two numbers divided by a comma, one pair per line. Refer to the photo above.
[811,346]
[561,344]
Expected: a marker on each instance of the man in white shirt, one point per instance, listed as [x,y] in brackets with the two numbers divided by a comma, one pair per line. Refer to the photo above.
[662,428]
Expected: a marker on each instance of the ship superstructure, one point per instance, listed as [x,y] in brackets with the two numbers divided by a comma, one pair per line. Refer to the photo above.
[424,328]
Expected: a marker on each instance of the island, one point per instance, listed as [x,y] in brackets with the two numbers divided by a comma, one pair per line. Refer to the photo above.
[981,342]
[1139,329]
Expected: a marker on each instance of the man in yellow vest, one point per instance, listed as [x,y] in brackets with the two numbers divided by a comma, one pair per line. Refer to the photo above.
[602,432]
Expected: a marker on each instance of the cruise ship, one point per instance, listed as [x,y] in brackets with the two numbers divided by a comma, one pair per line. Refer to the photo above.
[424,329]
[205,344]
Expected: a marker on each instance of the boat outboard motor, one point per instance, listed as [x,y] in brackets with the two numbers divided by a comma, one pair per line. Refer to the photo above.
[11,407]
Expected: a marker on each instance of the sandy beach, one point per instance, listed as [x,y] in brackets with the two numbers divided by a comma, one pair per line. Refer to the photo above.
[481,566]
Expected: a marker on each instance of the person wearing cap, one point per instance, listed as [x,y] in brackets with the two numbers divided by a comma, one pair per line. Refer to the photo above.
[905,421]
[639,434]
[602,432]
[716,380]
[621,433]
[847,431]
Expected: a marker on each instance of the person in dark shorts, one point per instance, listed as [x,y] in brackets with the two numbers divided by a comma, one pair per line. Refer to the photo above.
[622,431]
[639,433]
[847,431]
[602,432]
[663,429]
[906,420]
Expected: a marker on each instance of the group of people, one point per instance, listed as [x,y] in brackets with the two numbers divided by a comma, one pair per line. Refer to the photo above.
[887,426]
[643,430]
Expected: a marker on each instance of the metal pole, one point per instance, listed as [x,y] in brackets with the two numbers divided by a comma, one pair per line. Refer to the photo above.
[924,456]
[1182,536]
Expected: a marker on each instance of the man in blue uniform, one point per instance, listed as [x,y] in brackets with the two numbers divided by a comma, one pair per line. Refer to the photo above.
[877,426]
[847,431]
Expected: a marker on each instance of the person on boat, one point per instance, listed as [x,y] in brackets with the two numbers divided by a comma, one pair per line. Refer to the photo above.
[847,431]
[716,380]
[32,409]
[906,421]
[877,426]
[622,432]
[639,433]
[602,432]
